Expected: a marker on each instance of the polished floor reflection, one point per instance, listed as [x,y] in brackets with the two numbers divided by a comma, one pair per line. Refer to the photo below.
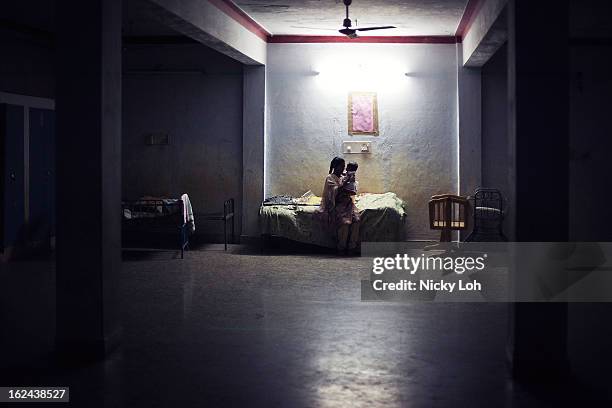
[245,329]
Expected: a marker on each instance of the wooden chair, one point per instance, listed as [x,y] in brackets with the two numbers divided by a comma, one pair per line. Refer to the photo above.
[227,215]
[448,212]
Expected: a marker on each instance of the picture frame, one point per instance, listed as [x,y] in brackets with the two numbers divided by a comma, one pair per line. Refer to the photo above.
[363,113]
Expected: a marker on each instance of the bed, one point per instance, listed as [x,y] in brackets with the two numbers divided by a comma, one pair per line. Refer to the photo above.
[148,220]
[382,219]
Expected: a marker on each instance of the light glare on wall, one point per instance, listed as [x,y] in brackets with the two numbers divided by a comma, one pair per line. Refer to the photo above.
[363,76]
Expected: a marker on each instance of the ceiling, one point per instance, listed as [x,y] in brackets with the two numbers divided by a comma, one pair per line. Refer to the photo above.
[139,19]
[324,17]
[588,18]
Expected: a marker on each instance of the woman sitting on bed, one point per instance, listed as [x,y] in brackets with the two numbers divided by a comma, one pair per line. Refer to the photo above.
[337,209]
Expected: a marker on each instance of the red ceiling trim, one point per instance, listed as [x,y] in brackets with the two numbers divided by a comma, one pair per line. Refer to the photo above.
[469,15]
[242,18]
[368,40]
[237,14]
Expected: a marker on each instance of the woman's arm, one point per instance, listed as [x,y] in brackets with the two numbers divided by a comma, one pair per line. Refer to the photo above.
[331,189]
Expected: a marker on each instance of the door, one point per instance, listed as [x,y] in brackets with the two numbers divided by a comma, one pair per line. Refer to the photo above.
[11,145]
[42,175]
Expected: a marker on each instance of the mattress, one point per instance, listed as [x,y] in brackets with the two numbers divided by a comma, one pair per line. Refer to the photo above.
[382,220]
[158,213]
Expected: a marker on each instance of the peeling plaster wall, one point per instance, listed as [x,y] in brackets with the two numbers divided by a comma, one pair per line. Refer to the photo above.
[415,154]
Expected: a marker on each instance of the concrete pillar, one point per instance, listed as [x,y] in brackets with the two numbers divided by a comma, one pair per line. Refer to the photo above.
[538,68]
[470,134]
[253,140]
[88,108]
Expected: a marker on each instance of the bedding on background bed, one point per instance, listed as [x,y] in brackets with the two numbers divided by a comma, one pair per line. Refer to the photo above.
[164,207]
[382,220]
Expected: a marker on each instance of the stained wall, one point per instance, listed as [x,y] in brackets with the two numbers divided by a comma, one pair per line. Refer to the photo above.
[416,153]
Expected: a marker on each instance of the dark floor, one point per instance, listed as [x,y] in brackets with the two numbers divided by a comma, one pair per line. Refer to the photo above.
[245,329]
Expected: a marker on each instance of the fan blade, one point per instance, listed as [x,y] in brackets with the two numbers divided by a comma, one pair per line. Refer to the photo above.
[374,28]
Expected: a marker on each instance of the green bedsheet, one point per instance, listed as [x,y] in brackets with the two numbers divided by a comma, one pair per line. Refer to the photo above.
[382,220]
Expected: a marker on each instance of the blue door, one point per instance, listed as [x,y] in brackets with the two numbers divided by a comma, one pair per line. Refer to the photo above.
[42,175]
[11,144]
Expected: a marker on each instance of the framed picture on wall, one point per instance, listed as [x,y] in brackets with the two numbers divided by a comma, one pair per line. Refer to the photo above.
[362,113]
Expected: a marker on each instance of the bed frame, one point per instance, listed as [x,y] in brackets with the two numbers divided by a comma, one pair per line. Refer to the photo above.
[170,222]
[225,216]
[489,215]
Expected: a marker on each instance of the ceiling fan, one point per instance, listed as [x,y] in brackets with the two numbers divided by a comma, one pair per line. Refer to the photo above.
[352,32]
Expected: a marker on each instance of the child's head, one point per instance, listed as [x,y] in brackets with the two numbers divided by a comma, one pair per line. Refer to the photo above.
[352,166]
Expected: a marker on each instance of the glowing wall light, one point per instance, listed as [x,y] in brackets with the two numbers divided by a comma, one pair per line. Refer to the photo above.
[366,76]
